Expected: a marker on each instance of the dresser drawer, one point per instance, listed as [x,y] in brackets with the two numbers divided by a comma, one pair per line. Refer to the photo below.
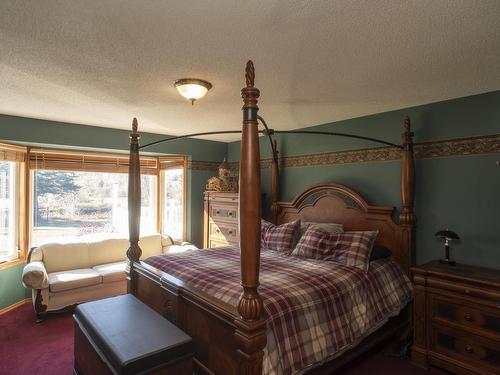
[490,294]
[224,212]
[224,231]
[481,353]
[224,198]
[465,314]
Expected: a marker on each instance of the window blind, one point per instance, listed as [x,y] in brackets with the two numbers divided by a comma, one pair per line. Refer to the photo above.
[87,161]
[9,152]
[171,162]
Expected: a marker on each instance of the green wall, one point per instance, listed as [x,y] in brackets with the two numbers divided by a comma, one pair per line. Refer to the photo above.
[59,134]
[11,287]
[458,192]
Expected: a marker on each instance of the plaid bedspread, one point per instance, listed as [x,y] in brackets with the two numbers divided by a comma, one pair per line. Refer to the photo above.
[314,309]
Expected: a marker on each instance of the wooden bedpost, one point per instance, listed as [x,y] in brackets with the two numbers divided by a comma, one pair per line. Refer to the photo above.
[250,334]
[134,252]
[275,187]
[407,218]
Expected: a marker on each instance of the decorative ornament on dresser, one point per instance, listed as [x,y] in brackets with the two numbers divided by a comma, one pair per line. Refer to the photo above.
[225,182]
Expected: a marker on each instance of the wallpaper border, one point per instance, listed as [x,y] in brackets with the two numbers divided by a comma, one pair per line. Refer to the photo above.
[488,144]
[200,165]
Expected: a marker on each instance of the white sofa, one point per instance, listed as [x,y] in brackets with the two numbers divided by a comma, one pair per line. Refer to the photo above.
[65,274]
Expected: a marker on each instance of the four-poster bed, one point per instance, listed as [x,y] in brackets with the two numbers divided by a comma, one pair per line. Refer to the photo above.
[230,338]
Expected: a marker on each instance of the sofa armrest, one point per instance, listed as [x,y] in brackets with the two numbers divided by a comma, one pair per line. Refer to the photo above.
[35,275]
[35,253]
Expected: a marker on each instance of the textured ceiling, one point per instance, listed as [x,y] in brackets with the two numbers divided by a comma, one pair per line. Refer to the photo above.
[102,62]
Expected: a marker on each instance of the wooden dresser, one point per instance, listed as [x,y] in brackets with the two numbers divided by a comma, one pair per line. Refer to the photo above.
[457,318]
[220,219]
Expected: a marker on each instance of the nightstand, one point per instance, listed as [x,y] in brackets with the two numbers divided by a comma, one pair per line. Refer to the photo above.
[456,315]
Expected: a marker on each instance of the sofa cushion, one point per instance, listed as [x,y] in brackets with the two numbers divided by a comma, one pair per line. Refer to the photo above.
[111,272]
[65,256]
[72,279]
[107,251]
[150,245]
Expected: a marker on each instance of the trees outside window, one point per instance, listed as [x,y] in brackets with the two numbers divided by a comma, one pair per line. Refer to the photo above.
[86,204]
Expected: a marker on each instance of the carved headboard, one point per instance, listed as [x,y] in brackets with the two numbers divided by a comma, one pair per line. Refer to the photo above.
[332,203]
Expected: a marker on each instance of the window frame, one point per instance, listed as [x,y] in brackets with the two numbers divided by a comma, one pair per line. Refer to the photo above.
[62,159]
[18,155]
[74,160]
[23,156]
[180,161]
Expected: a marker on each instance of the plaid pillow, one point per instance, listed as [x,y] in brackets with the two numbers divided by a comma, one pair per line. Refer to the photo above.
[264,225]
[327,227]
[278,237]
[349,248]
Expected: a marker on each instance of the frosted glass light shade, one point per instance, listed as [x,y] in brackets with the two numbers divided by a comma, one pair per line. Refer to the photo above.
[191,88]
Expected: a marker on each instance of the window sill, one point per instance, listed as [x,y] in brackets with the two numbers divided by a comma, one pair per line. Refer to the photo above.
[11,263]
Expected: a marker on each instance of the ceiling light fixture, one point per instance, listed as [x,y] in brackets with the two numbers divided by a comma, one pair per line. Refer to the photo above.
[192,88]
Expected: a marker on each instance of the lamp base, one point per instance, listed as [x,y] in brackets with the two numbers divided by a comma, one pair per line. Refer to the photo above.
[449,262]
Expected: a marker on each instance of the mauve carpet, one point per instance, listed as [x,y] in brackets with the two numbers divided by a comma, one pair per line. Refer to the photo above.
[47,348]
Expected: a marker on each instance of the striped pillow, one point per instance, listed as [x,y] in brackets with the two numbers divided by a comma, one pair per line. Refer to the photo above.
[279,237]
[349,248]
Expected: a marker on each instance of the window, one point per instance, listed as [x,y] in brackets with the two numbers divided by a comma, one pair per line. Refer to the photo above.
[8,222]
[76,195]
[85,195]
[11,203]
[173,196]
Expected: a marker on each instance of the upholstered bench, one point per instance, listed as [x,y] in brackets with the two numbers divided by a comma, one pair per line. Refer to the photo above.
[121,335]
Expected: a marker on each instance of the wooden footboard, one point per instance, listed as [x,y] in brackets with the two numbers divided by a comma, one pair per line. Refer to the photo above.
[209,321]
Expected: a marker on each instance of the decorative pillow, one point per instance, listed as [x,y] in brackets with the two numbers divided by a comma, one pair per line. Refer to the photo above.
[380,252]
[349,248]
[279,237]
[264,226]
[327,227]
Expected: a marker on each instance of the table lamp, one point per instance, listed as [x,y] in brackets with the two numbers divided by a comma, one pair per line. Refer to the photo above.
[447,235]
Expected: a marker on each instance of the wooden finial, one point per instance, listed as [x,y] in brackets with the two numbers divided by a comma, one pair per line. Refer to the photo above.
[134,136]
[134,126]
[407,123]
[407,135]
[275,151]
[250,74]
[250,93]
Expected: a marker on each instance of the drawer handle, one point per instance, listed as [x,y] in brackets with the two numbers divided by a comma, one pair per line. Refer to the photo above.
[230,232]
[217,212]
[230,213]
[468,318]
[217,230]
[469,349]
